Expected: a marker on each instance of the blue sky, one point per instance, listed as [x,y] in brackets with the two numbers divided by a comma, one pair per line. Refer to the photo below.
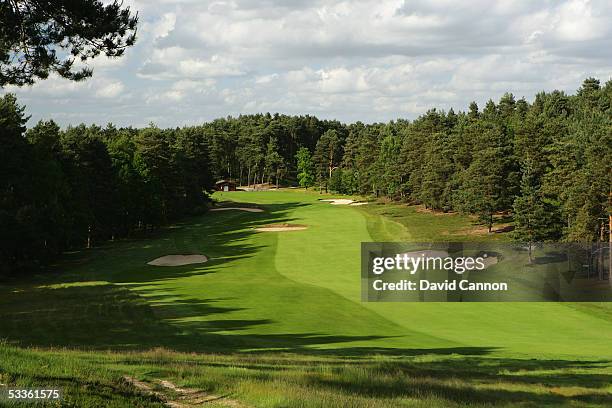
[368,60]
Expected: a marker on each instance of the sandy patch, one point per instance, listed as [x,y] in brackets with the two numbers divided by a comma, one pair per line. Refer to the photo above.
[360,203]
[483,230]
[237,208]
[281,227]
[428,253]
[178,260]
[422,209]
[339,201]
[179,397]
[490,260]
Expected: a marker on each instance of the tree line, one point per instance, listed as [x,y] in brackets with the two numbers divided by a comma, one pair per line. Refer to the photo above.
[75,188]
[545,163]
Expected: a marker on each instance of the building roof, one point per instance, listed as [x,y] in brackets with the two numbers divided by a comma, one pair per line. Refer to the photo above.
[225,181]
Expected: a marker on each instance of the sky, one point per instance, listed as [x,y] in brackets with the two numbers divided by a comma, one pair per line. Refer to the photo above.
[358,60]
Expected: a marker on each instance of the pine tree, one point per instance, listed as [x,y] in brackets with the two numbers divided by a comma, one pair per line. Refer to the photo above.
[273,160]
[305,168]
[39,37]
[535,220]
[327,156]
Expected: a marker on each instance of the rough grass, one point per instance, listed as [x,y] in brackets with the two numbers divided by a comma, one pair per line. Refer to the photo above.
[287,380]
[276,320]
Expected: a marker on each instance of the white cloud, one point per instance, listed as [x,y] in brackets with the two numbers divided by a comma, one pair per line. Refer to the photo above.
[576,21]
[110,90]
[369,60]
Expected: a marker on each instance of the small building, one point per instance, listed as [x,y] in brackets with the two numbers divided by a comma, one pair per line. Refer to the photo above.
[225,185]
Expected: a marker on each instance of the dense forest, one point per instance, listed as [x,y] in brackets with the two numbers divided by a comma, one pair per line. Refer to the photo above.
[547,164]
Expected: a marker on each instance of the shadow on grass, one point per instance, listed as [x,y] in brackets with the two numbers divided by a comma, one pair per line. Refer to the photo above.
[460,392]
[466,380]
[221,236]
[106,316]
[500,381]
[92,307]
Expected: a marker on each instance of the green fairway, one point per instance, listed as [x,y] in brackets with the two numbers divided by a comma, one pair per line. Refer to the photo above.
[298,292]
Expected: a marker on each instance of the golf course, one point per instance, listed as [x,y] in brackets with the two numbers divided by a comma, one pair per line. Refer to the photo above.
[272,316]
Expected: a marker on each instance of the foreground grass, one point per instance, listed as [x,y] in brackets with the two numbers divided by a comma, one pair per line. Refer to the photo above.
[287,380]
[282,313]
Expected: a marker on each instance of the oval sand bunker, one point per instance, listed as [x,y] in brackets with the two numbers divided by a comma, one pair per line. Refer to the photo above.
[237,208]
[178,260]
[281,227]
[338,201]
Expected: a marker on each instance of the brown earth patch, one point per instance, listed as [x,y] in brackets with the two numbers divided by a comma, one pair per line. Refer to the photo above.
[181,397]
[481,230]
[422,209]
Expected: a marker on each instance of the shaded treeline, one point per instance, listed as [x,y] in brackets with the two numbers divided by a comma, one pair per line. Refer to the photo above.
[74,188]
[545,163]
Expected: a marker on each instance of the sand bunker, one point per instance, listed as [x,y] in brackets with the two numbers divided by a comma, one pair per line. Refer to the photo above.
[343,201]
[237,208]
[281,227]
[339,201]
[178,260]
[490,260]
[428,253]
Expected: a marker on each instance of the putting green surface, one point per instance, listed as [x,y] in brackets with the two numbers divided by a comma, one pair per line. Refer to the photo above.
[295,291]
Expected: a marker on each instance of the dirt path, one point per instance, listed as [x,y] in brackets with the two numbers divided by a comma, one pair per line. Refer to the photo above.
[177,397]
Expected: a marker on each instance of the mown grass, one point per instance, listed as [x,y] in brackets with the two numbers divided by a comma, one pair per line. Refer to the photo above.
[275,320]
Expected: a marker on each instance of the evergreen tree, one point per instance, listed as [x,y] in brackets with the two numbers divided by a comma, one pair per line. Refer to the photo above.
[305,168]
[274,161]
[37,34]
[535,220]
[15,231]
[327,156]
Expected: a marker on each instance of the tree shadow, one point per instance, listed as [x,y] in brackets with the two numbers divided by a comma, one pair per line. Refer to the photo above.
[462,393]
[111,317]
[221,236]
[91,307]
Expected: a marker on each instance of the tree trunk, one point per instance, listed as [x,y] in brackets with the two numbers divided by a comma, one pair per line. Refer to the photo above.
[600,258]
[530,252]
[610,247]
